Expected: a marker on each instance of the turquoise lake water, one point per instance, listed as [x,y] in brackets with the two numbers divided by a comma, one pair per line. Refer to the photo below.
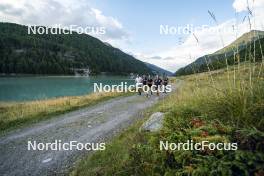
[44,87]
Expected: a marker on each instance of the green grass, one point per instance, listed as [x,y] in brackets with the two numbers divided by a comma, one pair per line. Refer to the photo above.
[220,106]
[13,115]
[109,161]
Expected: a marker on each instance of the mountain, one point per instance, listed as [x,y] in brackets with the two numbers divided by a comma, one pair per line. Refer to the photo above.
[157,70]
[21,52]
[242,41]
[242,49]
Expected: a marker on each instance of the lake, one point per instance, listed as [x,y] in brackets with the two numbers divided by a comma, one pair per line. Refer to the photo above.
[44,87]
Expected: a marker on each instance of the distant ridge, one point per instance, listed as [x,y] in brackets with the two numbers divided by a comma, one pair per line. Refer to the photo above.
[241,49]
[157,70]
[242,41]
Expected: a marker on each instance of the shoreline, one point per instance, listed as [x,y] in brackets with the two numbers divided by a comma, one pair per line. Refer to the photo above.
[62,75]
[19,114]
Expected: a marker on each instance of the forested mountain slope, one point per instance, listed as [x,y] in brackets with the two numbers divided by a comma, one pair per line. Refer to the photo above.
[25,53]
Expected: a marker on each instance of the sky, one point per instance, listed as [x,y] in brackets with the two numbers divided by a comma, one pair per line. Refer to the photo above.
[169,34]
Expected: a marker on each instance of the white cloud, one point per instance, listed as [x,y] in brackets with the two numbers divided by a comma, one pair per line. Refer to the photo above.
[212,38]
[242,5]
[63,12]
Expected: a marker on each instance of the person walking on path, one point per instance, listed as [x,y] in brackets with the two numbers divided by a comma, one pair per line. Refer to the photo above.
[157,83]
[165,83]
[139,81]
[144,81]
[149,83]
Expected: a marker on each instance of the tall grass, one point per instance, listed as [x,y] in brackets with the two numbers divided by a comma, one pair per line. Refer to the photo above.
[212,106]
[199,111]
[13,115]
[225,105]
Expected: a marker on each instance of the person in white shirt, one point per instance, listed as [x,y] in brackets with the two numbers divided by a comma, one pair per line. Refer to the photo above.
[139,84]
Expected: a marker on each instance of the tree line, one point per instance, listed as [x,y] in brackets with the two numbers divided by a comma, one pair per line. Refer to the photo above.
[21,52]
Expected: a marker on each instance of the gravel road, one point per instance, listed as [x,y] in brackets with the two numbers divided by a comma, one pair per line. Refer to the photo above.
[93,124]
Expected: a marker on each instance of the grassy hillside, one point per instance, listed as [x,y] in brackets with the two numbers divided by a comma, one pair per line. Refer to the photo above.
[242,41]
[21,52]
[220,106]
[248,47]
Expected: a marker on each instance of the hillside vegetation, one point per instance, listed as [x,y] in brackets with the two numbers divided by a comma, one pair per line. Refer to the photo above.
[220,106]
[248,47]
[25,53]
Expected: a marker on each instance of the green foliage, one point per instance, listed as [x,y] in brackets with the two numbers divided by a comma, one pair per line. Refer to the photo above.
[21,52]
[216,120]
[198,111]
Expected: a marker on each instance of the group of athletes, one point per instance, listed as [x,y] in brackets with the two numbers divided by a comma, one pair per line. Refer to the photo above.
[152,83]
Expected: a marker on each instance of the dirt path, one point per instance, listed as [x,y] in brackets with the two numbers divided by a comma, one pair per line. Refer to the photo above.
[92,124]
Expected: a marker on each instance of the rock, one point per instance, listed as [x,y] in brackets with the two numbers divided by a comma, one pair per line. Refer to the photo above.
[154,123]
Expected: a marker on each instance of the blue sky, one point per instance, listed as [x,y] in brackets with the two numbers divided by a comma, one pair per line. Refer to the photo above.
[142,19]
[134,26]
